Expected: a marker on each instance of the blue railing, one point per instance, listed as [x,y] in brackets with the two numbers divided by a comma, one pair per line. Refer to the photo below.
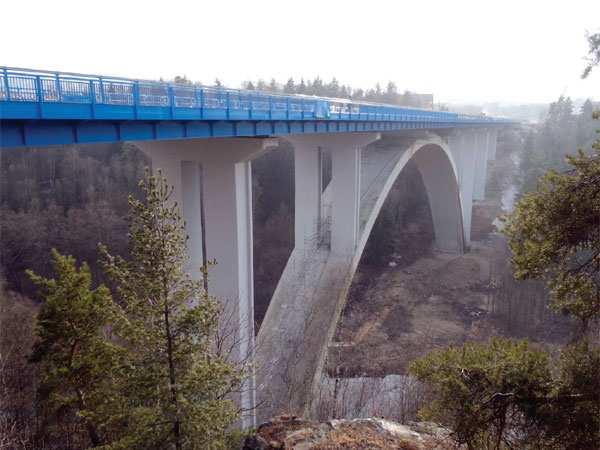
[110,98]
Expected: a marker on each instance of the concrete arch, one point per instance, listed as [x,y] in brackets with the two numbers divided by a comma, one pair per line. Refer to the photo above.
[438,169]
[318,279]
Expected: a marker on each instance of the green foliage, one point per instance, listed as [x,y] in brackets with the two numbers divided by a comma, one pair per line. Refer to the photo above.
[593,53]
[504,393]
[178,387]
[336,90]
[546,146]
[570,418]
[79,366]
[482,390]
[554,234]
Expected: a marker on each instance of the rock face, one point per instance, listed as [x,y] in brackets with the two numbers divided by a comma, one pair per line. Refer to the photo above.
[292,433]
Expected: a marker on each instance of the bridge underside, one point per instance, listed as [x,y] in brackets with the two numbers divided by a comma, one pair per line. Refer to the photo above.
[312,291]
[204,139]
[212,182]
[24,133]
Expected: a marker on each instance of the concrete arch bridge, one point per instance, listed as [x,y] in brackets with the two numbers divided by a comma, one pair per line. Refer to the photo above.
[204,139]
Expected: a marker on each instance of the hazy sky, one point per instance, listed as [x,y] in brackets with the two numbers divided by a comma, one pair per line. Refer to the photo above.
[505,50]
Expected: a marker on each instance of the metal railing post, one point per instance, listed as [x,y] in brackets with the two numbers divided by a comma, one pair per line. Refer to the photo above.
[102,95]
[58,88]
[250,108]
[171,98]
[40,94]
[6,85]
[201,91]
[270,107]
[136,98]
[227,104]
[93,97]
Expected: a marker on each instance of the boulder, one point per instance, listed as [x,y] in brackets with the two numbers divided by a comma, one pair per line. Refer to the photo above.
[293,433]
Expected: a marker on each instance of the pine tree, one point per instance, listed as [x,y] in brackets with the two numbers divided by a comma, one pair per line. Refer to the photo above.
[261,85]
[333,88]
[289,87]
[273,87]
[178,388]
[79,365]
[301,87]
[593,53]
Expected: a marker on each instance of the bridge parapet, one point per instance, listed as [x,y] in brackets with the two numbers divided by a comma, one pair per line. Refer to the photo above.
[38,94]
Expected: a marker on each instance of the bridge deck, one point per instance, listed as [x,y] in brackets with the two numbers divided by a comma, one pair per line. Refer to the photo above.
[48,108]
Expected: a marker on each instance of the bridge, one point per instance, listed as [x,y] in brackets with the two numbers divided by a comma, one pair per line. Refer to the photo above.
[204,139]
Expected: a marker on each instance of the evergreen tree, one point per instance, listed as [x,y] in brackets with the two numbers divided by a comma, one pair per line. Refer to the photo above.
[289,87]
[586,125]
[391,93]
[261,85]
[317,87]
[554,234]
[273,85]
[358,94]
[333,88]
[593,53]
[483,390]
[301,87]
[178,388]
[80,369]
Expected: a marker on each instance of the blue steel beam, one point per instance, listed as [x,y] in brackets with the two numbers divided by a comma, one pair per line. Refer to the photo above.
[40,108]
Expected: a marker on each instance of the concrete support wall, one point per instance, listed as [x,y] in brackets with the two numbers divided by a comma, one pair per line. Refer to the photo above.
[191,204]
[213,185]
[463,145]
[492,143]
[345,189]
[444,198]
[481,159]
[307,179]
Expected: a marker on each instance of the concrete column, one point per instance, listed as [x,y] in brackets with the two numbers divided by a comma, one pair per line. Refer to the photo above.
[464,146]
[169,166]
[345,188]
[213,184]
[191,193]
[492,142]
[308,179]
[227,190]
[480,165]
[345,213]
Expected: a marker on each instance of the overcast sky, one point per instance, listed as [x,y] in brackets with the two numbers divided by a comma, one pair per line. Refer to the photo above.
[501,50]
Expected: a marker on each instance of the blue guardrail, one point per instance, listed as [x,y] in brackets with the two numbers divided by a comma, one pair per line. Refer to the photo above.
[48,108]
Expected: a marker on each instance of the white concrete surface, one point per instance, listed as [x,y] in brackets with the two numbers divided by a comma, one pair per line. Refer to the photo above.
[212,183]
[212,180]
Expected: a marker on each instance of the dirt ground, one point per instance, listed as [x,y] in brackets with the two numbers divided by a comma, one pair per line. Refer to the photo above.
[402,308]
[396,314]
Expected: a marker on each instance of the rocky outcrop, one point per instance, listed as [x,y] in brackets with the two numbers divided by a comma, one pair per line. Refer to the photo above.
[292,433]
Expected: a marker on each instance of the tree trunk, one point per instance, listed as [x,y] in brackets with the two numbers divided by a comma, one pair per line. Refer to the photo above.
[172,379]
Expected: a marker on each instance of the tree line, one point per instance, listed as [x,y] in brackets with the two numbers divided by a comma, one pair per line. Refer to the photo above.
[547,144]
[143,364]
[389,94]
